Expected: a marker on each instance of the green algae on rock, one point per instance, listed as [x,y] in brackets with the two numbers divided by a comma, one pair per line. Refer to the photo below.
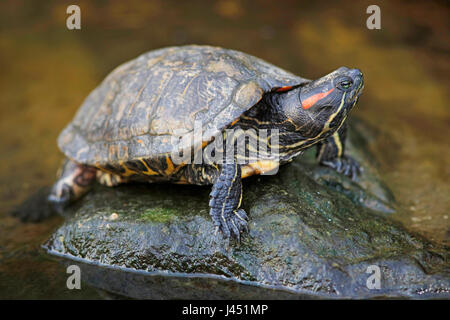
[313,234]
[158,215]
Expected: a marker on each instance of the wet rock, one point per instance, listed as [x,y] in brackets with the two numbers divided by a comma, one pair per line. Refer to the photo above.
[313,234]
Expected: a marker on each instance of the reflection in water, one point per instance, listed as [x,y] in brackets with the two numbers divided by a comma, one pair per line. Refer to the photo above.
[47,71]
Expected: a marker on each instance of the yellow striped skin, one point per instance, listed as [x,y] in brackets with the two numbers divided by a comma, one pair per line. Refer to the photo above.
[338,143]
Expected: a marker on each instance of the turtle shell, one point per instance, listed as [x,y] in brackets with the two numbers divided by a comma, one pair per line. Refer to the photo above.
[144,106]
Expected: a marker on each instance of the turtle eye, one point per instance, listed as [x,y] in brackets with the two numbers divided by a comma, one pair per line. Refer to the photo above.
[346,84]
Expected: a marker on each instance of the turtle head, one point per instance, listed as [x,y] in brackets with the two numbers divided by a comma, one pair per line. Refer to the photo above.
[322,105]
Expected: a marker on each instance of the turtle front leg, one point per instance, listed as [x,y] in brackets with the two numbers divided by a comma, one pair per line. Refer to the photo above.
[74,181]
[225,202]
[330,153]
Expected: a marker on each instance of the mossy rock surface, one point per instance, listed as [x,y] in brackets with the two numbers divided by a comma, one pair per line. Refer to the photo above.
[313,234]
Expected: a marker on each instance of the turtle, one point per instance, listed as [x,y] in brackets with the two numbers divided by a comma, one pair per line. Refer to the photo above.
[147,113]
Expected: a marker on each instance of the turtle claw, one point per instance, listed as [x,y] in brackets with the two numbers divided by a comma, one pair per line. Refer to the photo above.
[238,223]
[225,201]
[232,224]
[345,165]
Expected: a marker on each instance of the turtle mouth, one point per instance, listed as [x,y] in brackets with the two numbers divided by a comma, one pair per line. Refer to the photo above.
[358,91]
[361,89]
[355,97]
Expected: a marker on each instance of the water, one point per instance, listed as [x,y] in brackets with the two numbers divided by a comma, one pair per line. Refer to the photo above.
[47,71]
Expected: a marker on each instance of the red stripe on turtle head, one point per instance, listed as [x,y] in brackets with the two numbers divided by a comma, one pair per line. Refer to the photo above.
[283,89]
[308,103]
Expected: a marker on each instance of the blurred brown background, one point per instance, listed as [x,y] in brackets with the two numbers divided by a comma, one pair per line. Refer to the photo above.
[47,70]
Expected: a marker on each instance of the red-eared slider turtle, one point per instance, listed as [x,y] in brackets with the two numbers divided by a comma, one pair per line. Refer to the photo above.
[147,115]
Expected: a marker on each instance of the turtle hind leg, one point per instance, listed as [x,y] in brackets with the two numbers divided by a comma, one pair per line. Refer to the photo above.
[110,179]
[226,198]
[74,181]
[35,208]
